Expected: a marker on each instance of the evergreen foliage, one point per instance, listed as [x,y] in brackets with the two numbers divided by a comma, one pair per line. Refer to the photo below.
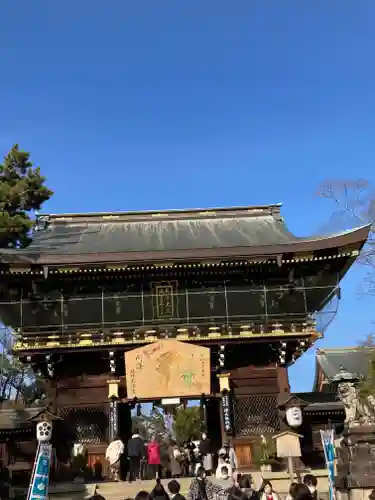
[187,424]
[22,192]
[151,425]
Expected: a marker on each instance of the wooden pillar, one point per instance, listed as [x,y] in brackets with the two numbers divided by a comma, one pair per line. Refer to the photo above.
[283,380]
[113,386]
[4,454]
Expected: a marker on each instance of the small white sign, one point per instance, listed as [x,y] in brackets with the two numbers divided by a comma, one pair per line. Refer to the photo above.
[170,401]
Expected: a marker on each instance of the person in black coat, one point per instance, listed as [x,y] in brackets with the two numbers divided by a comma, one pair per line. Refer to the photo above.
[158,492]
[142,495]
[205,453]
[136,451]
[174,489]
[190,448]
[312,483]
[244,483]
[302,492]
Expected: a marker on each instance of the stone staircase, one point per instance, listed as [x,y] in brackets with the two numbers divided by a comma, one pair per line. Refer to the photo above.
[123,490]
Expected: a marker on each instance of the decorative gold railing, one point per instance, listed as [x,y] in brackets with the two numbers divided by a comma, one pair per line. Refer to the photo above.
[167,306]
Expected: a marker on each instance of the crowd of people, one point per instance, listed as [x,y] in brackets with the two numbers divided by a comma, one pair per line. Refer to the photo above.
[144,460]
[238,487]
[195,459]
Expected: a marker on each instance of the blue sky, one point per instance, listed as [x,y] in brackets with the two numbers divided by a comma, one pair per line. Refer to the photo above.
[173,104]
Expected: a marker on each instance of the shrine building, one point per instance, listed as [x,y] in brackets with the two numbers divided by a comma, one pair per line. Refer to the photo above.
[117,309]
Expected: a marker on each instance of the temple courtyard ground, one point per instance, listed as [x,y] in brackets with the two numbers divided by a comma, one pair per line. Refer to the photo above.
[123,490]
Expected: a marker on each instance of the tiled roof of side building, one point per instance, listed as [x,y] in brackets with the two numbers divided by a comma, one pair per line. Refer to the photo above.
[354,360]
[320,401]
[11,418]
[181,234]
[317,397]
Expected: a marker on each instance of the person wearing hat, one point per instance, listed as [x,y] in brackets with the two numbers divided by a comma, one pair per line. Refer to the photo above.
[223,462]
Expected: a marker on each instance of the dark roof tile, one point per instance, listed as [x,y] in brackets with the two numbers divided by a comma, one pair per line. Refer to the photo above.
[17,418]
[141,236]
[353,360]
[155,235]
[320,401]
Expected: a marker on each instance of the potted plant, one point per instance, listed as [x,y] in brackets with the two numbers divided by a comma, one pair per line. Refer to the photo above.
[265,455]
[269,464]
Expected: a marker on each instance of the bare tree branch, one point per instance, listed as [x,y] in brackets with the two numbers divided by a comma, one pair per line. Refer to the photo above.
[354,201]
[354,205]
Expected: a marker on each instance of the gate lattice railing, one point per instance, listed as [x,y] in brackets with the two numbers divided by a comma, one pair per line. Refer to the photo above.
[90,424]
[255,415]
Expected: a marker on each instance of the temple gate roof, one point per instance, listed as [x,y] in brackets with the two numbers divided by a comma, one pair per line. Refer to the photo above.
[175,234]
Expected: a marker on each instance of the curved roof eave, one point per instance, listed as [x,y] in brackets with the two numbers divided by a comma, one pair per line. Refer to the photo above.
[359,230]
[357,236]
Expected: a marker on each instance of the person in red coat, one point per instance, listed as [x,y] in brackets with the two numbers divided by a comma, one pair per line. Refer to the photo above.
[153,458]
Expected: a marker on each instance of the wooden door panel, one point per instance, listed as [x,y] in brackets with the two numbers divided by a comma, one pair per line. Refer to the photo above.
[244,455]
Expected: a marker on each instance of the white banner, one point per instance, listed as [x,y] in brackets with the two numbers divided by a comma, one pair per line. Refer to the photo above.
[328,442]
[38,489]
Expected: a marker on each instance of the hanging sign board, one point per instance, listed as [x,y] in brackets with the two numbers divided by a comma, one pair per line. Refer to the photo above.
[167,369]
[226,404]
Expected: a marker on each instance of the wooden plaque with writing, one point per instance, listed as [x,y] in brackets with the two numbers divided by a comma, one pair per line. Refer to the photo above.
[168,368]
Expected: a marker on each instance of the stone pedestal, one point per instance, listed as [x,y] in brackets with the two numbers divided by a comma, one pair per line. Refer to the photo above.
[356,462]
